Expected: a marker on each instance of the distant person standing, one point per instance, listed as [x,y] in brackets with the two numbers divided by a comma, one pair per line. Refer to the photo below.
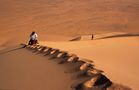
[92,37]
[33,38]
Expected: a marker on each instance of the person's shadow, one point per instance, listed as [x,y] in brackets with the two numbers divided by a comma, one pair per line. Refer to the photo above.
[11,50]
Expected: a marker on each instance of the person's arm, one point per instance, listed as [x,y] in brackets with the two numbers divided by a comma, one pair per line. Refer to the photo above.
[36,36]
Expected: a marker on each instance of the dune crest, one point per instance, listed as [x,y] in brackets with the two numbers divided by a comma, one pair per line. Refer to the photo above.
[104,36]
[116,56]
[98,80]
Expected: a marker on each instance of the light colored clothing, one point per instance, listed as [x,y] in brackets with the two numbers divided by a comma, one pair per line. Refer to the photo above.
[34,37]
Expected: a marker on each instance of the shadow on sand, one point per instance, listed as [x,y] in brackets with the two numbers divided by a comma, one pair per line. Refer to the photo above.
[96,37]
[11,50]
[120,35]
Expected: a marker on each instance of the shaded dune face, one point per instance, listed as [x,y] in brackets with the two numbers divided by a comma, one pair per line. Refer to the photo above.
[118,87]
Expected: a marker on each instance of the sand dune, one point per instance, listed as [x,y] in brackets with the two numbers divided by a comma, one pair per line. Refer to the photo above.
[61,20]
[31,72]
[69,17]
[118,57]
[120,66]
[57,22]
[47,71]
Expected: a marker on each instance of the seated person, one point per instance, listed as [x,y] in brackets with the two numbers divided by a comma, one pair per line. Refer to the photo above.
[33,39]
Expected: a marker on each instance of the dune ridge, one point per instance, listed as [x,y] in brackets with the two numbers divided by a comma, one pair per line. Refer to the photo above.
[96,81]
[108,54]
[94,78]
[104,36]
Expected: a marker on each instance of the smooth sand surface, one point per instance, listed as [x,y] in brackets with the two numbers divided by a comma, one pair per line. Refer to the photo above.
[68,17]
[23,70]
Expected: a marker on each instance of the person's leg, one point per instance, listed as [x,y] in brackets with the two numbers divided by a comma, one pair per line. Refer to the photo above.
[29,43]
[36,41]
[32,42]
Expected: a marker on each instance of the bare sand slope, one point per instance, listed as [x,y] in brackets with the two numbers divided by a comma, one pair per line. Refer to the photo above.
[21,69]
[118,57]
[68,17]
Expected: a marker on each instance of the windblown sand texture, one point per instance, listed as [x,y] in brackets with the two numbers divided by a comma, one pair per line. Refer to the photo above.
[65,29]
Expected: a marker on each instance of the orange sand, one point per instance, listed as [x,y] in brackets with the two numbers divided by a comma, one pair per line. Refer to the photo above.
[61,20]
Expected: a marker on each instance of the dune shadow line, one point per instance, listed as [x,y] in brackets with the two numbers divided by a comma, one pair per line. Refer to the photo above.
[76,39]
[12,50]
[121,35]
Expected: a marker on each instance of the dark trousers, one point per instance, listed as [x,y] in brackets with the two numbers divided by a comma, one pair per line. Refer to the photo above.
[32,42]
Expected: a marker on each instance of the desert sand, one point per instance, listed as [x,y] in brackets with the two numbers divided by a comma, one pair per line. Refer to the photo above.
[114,49]
[21,69]
[118,57]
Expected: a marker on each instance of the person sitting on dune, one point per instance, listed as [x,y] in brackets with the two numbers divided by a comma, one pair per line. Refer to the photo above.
[33,38]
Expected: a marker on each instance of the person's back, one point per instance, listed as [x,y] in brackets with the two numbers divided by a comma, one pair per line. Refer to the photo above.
[34,36]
